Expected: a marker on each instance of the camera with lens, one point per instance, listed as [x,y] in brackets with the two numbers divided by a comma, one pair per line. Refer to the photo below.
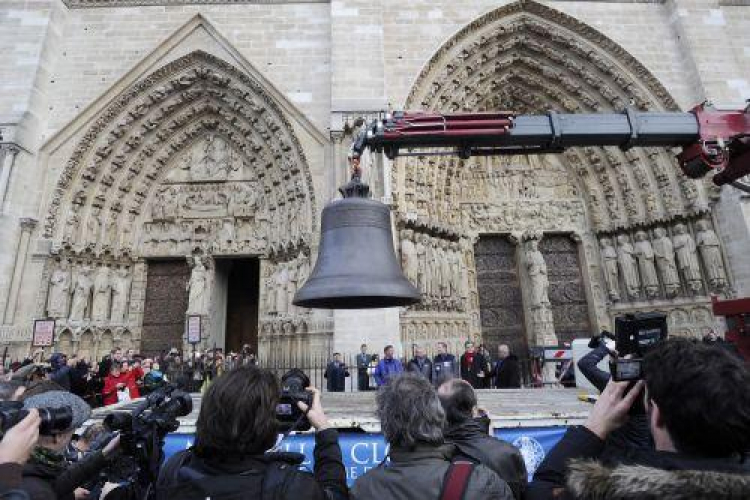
[635,335]
[294,384]
[142,432]
[54,420]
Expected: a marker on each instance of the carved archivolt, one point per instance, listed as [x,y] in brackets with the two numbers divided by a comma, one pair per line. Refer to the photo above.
[228,142]
[531,59]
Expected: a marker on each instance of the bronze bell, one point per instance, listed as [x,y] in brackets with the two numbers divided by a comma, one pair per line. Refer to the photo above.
[357,266]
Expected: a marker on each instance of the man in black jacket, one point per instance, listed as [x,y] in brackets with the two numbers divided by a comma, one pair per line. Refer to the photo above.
[698,408]
[336,373]
[506,372]
[420,363]
[460,404]
[235,428]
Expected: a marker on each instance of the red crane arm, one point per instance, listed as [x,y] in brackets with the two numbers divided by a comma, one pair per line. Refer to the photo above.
[711,140]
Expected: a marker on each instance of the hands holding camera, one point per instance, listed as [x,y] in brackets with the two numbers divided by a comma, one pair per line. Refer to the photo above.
[611,409]
[315,414]
[19,441]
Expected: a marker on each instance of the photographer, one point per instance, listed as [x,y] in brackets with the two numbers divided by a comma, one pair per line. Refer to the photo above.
[636,431]
[236,425]
[698,408]
[47,474]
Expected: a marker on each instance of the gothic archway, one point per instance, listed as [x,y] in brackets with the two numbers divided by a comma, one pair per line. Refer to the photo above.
[195,159]
[118,167]
[531,58]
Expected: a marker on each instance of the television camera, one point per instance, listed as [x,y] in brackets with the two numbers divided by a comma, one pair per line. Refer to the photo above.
[635,335]
[294,385]
[142,430]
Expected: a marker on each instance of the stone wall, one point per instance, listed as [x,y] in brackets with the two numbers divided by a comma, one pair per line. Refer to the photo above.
[326,63]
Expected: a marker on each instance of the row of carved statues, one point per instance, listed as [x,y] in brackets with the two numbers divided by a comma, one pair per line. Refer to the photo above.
[674,260]
[85,291]
[437,267]
[282,281]
[230,217]
[226,235]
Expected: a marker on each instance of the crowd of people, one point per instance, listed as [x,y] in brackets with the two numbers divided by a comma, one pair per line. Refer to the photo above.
[124,375]
[475,366]
[683,431]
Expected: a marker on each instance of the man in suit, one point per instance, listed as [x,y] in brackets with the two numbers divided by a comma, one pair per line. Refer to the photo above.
[473,366]
[363,362]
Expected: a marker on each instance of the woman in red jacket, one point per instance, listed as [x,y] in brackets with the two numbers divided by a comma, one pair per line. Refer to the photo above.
[117,380]
[135,375]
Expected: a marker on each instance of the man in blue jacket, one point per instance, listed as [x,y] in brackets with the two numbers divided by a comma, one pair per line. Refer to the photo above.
[388,367]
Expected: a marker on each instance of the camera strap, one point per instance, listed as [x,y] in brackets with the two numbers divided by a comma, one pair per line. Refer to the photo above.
[457,480]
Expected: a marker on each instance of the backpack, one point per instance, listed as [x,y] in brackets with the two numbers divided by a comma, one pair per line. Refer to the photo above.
[187,483]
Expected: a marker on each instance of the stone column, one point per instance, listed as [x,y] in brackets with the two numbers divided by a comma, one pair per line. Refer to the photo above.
[8,158]
[27,226]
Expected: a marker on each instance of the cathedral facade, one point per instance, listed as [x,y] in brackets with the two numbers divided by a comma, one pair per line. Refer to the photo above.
[166,159]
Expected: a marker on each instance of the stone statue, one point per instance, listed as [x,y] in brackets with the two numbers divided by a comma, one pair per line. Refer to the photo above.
[111,230]
[93,226]
[445,269]
[226,234]
[303,269]
[537,270]
[82,285]
[59,290]
[158,206]
[102,294]
[433,259]
[421,263]
[687,257]
[611,271]
[270,297]
[120,295]
[710,250]
[72,227]
[628,268]
[409,256]
[454,260]
[291,289]
[127,229]
[665,262]
[281,282]
[644,252]
[198,288]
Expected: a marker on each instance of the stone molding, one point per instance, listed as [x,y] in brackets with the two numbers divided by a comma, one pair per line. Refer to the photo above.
[88,4]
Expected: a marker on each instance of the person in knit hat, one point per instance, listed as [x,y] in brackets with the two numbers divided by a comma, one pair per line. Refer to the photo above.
[47,474]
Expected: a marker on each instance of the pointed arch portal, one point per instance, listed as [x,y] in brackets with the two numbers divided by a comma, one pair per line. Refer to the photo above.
[532,59]
[196,159]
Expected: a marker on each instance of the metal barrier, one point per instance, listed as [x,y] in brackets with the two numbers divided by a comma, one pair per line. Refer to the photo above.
[315,367]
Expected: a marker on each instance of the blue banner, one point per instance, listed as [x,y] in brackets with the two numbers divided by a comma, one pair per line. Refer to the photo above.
[362,452]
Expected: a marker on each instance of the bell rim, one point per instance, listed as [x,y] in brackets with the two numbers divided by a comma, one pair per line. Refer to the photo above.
[357,302]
